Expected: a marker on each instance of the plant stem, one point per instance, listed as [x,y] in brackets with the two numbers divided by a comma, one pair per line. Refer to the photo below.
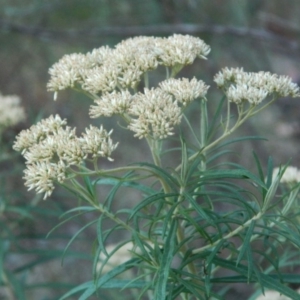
[229,235]
[184,248]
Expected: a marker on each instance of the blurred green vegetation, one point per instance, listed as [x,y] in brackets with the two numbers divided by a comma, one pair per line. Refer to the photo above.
[34,34]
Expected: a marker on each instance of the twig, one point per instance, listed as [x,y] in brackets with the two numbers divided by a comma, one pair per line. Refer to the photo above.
[161,29]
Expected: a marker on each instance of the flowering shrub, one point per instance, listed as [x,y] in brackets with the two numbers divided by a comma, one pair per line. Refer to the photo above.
[181,241]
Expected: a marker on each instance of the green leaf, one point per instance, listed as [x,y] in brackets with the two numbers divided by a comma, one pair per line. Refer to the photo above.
[270,171]
[107,277]
[77,289]
[198,208]
[191,288]
[203,122]
[89,185]
[214,253]
[217,155]
[212,127]
[76,234]
[125,284]
[196,225]
[90,287]
[240,139]
[161,173]
[236,173]
[150,200]
[287,278]
[184,160]
[266,280]
[258,165]
[165,263]
[192,130]
[246,242]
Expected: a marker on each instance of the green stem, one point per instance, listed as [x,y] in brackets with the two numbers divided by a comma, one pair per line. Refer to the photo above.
[88,94]
[228,116]
[203,131]
[229,235]
[167,73]
[155,150]
[107,172]
[146,80]
[243,116]
[181,236]
[284,211]
[238,123]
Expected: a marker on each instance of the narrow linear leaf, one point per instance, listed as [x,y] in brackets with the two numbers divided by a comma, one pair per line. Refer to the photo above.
[216,116]
[240,139]
[107,277]
[198,208]
[75,235]
[90,287]
[165,264]
[246,242]
[287,278]
[266,280]
[161,173]
[184,160]
[150,200]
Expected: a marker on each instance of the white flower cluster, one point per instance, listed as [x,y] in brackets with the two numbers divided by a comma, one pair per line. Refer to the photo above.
[184,90]
[97,142]
[112,103]
[111,76]
[154,112]
[105,69]
[11,112]
[241,86]
[50,147]
[290,175]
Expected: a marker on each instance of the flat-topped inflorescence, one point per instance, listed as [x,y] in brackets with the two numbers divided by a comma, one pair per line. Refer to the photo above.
[50,148]
[106,69]
[117,81]
[240,86]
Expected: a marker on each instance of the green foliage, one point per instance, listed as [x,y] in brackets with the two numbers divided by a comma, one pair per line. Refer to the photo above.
[210,220]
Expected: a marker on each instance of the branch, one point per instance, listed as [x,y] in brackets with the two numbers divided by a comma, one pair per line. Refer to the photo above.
[163,29]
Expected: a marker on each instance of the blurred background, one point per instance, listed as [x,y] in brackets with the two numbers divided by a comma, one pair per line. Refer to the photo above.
[34,34]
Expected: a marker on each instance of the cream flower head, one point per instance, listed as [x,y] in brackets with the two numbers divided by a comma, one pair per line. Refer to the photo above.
[240,86]
[112,103]
[184,90]
[182,50]
[51,148]
[105,69]
[11,112]
[154,114]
